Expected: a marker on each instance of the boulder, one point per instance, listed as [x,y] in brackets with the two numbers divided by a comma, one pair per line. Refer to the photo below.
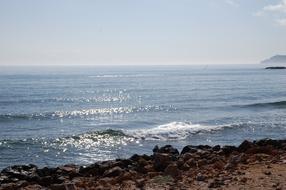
[172,170]
[162,160]
[166,149]
[189,149]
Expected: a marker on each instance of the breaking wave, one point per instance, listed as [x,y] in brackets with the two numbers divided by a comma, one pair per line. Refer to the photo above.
[110,137]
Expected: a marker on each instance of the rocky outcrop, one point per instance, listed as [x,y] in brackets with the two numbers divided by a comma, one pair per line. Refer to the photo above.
[196,167]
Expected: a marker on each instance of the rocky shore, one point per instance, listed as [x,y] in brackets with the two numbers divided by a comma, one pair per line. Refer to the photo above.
[252,165]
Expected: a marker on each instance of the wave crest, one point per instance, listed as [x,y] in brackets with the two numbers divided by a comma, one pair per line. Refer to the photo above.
[172,131]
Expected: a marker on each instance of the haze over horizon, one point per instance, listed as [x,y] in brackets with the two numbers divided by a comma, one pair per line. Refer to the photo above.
[128,32]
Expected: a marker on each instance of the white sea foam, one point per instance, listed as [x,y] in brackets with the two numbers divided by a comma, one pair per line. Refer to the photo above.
[171,131]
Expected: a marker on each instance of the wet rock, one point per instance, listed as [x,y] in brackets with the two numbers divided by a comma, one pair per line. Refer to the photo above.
[245,145]
[166,149]
[271,142]
[189,149]
[228,149]
[204,147]
[156,149]
[216,148]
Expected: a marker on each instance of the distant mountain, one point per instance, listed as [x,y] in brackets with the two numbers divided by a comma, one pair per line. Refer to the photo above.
[277,59]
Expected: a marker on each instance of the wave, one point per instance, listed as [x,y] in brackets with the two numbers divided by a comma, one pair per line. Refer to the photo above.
[109,137]
[172,131]
[277,104]
[84,113]
[89,140]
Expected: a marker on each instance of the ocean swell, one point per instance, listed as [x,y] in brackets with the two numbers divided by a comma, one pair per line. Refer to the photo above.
[277,104]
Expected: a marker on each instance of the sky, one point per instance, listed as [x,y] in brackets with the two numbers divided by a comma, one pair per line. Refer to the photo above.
[140,32]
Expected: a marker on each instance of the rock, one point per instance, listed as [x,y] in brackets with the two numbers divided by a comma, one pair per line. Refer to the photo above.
[186,156]
[129,184]
[136,157]
[142,162]
[172,170]
[58,187]
[228,149]
[189,149]
[162,160]
[127,176]
[216,148]
[245,145]
[192,163]
[267,173]
[113,172]
[204,147]
[156,149]
[234,160]
[166,149]
[21,172]
[140,182]
[216,183]
[243,180]
[148,168]
[91,170]
[271,142]
[200,177]
[46,171]
[202,162]
[219,165]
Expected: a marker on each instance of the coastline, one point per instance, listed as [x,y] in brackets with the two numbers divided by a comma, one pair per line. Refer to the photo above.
[251,165]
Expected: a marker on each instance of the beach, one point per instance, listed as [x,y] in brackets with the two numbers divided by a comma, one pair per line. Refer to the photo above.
[251,165]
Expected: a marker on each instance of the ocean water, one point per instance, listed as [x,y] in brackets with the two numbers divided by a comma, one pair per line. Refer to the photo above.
[57,115]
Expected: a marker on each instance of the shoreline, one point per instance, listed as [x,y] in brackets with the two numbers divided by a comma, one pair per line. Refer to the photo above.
[251,165]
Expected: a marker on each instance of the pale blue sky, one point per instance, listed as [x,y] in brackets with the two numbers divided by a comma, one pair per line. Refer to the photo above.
[91,32]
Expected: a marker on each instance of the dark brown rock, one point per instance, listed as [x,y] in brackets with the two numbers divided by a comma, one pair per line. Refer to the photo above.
[113,172]
[172,170]
[162,160]
[189,149]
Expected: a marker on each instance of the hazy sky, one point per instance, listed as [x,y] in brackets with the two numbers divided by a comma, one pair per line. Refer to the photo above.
[100,32]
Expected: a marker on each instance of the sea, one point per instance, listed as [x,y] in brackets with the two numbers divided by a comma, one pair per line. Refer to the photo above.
[56,115]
